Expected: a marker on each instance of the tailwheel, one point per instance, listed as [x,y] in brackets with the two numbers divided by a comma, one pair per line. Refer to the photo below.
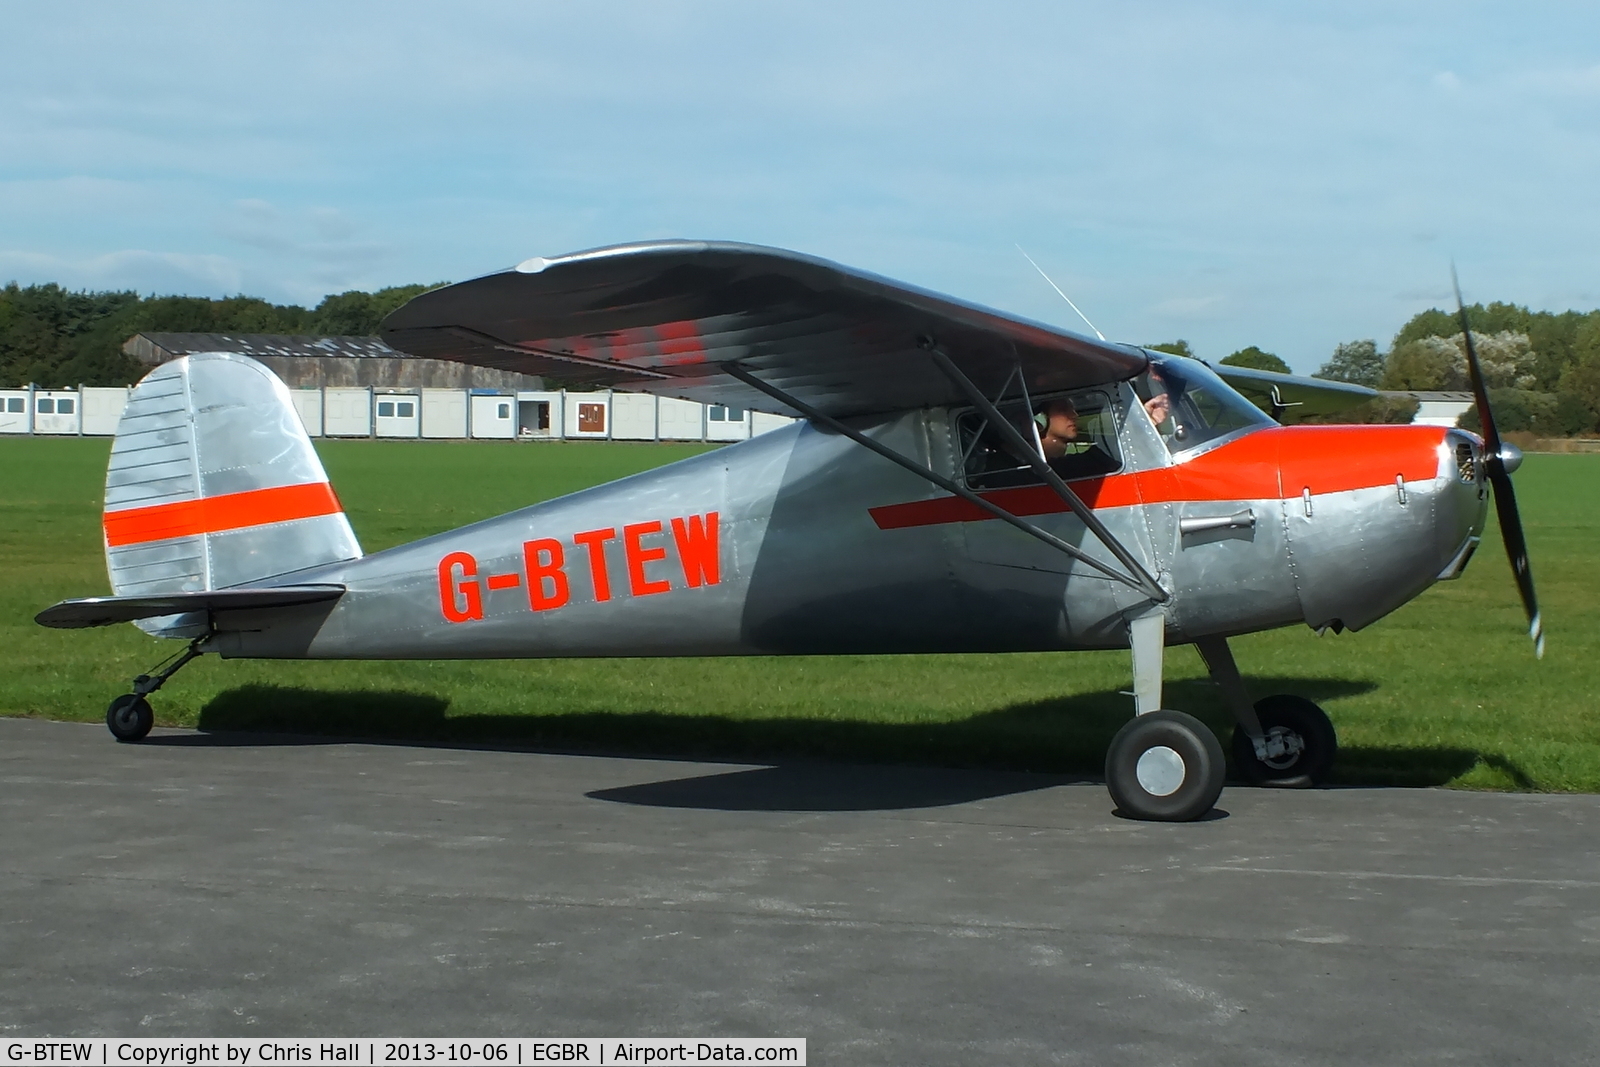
[129,717]
[1165,767]
[1298,744]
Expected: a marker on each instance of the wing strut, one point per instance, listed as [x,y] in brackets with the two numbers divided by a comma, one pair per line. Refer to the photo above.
[1034,457]
[1147,586]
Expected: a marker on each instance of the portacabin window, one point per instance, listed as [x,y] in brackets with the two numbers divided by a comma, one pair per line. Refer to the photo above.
[1075,434]
[385,409]
[46,405]
[14,405]
[502,411]
[717,413]
[405,409]
[64,406]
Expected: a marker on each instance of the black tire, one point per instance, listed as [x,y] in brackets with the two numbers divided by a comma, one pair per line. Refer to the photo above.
[1299,717]
[1195,776]
[129,718]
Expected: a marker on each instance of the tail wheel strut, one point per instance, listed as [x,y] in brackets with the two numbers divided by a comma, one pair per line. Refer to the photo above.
[130,717]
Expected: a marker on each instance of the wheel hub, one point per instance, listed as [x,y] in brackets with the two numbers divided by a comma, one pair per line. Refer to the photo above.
[1160,771]
[1279,747]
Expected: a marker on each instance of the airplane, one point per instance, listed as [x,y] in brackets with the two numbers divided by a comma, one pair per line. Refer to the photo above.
[957,480]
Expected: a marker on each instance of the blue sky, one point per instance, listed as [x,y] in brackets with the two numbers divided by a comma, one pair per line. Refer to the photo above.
[1290,175]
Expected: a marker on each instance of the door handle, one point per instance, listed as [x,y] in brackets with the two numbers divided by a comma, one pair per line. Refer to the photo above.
[1192,524]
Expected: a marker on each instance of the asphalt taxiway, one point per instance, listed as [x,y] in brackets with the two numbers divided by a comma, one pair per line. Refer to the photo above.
[217,885]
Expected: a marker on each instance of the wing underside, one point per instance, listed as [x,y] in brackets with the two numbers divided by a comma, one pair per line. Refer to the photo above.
[670,317]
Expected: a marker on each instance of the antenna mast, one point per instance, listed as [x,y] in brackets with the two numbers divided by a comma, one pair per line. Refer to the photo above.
[1059,293]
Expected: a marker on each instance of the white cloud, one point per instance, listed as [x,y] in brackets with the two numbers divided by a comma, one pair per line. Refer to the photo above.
[141,270]
[1581,82]
[1150,154]
[1187,307]
[322,248]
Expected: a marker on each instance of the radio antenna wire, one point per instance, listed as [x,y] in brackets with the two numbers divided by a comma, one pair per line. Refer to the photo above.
[1059,293]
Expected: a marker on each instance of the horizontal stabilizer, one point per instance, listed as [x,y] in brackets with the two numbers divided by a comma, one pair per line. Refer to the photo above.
[105,610]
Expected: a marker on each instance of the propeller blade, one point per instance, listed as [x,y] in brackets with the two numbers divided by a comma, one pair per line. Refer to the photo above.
[1505,506]
[1480,395]
[1505,498]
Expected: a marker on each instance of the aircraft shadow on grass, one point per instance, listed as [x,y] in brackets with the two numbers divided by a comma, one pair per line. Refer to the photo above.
[819,764]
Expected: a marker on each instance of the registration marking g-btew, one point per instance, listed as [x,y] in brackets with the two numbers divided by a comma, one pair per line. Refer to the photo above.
[550,566]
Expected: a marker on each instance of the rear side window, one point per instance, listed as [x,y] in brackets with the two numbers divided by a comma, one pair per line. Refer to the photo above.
[1075,433]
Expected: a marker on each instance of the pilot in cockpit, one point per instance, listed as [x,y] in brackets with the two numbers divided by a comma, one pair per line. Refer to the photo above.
[1076,437]
[1070,453]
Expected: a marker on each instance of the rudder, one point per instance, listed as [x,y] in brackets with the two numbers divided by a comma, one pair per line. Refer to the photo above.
[214,484]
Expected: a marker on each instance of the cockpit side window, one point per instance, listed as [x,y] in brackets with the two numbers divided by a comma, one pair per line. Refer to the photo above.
[1075,433]
[1190,405]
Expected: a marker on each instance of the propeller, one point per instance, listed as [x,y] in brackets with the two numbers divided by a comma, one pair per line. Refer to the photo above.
[1495,466]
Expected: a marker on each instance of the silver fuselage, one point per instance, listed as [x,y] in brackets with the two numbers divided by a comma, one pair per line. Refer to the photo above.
[801,541]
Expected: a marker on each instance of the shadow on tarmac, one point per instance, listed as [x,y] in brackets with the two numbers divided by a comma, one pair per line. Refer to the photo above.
[1056,737]
[828,787]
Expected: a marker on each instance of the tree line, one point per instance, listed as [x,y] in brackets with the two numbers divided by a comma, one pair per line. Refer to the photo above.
[1542,368]
[56,338]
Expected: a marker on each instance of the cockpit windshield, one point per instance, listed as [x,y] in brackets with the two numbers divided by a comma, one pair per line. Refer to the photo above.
[1190,405]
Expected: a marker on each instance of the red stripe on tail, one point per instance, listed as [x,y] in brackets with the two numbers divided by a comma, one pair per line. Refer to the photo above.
[214,514]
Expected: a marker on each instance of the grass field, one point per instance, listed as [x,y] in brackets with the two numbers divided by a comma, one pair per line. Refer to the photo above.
[1444,691]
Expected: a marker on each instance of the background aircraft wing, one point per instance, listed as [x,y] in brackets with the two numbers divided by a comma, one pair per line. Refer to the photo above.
[666,317]
[1309,396]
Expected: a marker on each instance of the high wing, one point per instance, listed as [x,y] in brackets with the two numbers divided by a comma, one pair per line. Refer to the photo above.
[672,318]
[1272,392]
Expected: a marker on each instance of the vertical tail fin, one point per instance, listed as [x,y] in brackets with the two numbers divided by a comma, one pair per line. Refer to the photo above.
[213,484]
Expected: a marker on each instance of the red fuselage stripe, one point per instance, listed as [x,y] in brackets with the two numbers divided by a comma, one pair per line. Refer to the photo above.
[1267,465]
[214,514]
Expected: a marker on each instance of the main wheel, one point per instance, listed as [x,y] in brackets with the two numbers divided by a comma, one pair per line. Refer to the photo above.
[129,717]
[1292,723]
[1165,766]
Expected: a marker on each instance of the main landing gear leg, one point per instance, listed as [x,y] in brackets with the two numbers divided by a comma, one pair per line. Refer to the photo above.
[1285,741]
[129,718]
[1164,765]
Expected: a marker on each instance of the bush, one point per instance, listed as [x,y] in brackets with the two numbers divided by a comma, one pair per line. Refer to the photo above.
[1517,409]
[1573,416]
[1256,359]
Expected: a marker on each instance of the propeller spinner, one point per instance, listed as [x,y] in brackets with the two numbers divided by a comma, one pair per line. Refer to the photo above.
[1499,460]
